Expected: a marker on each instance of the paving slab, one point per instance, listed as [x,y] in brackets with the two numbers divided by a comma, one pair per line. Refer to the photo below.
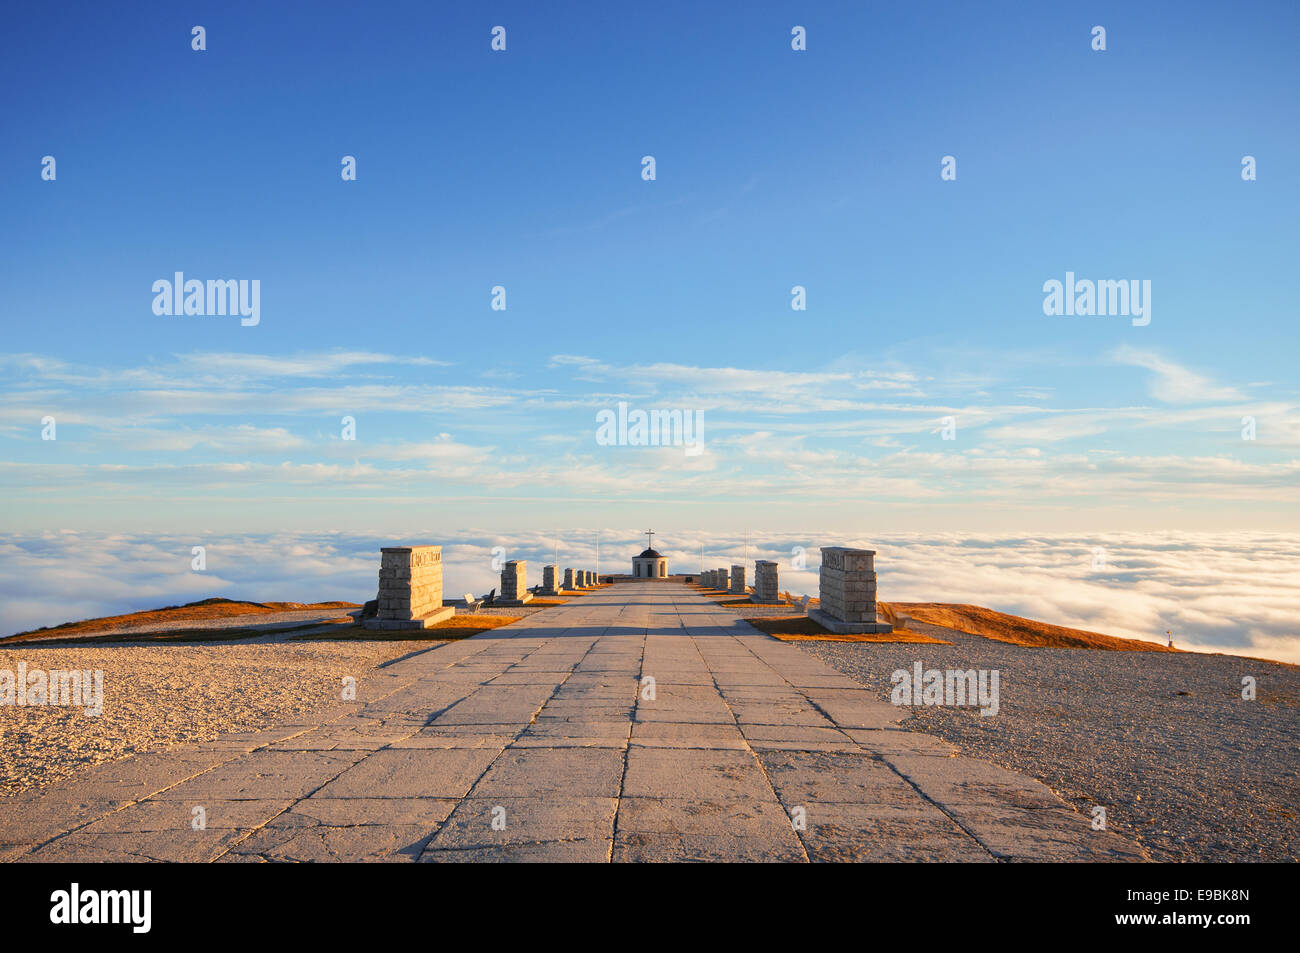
[494,823]
[540,741]
[593,851]
[638,847]
[315,843]
[413,772]
[555,772]
[262,775]
[164,815]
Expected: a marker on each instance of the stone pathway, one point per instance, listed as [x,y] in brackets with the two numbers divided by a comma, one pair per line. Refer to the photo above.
[540,741]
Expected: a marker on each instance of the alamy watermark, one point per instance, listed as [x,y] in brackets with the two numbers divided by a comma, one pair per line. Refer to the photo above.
[1104,297]
[954,688]
[75,905]
[215,297]
[651,428]
[75,689]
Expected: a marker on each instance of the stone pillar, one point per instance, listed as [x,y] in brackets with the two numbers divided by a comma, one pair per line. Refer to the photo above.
[706,579]
[738,579]
[569,582]
[514,584]
[548,582]
[410,589]
[847,591]
[721,579]
[765,583]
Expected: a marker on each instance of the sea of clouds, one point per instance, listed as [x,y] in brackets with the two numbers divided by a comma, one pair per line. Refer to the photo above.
[1225,593]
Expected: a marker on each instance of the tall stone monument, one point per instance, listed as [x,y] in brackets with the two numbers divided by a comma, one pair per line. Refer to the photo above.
[766,590]
[410,589]
[738,579]
[514,584]
[847,592]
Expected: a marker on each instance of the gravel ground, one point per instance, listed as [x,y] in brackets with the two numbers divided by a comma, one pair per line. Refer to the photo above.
[1198,776]
[160,695]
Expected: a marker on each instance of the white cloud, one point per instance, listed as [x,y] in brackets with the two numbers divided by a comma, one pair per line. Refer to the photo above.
[310,364]
[1173,383]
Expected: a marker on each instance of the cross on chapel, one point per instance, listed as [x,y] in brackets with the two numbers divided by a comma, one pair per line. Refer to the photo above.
[650,564]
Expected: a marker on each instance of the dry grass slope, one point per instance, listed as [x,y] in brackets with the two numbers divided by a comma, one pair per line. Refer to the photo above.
[201,611]
[1000,627]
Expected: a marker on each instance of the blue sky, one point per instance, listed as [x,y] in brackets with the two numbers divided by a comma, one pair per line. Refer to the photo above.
[775,168]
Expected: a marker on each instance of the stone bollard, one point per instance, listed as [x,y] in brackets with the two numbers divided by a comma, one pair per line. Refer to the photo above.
[410,589]
[548,582]
[569,582]
[737,580]
[847,592]
[721,579]
[766,590]
[514,584]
